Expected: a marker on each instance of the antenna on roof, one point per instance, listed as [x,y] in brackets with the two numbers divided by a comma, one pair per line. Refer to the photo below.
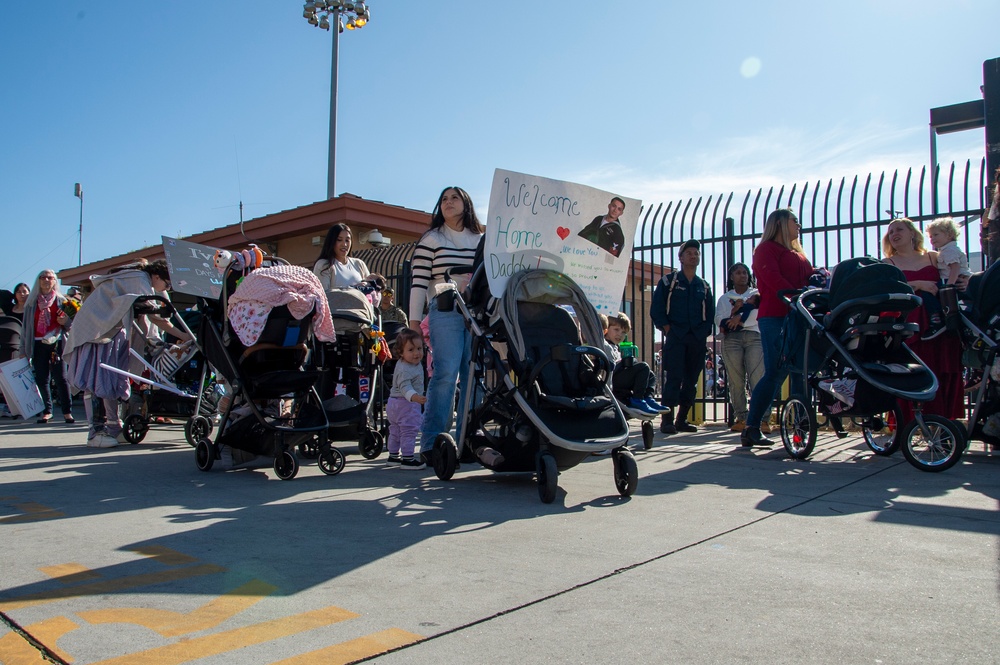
[239,190]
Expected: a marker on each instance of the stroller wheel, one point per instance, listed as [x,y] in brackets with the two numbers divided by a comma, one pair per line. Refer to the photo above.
[548,476]
[204,454]
[371,444]
[647,434]
[882,431]
[134,428]
[331,462]
[196,429]
[286,465]
[798,427]
[939,449]
[626,472]
[444,455]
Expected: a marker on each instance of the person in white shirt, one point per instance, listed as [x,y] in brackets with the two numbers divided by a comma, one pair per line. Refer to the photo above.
[334,268]
[451,242]
[736,318]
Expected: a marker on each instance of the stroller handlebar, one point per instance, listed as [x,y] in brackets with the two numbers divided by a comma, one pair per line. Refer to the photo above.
[154,305]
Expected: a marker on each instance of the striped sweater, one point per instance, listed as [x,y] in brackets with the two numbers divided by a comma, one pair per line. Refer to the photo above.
[438,250]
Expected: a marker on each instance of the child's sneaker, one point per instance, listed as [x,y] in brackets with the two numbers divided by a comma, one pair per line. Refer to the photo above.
[934,328]
[413,463]
[641,406]
[656,406]
[394,459]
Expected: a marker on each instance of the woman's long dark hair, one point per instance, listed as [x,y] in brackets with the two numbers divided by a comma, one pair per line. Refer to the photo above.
[331,240]
[469,219]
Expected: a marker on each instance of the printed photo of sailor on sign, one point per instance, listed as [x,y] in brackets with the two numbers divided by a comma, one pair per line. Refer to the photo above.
[606,231]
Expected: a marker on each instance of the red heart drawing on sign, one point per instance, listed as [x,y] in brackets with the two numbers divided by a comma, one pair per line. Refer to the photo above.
[562,232]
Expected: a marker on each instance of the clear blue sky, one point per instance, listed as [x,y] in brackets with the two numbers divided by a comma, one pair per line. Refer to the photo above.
[170,113]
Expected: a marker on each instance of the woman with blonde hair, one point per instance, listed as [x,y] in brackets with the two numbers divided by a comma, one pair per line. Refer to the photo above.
[43,327]
[903,247]
[778,264]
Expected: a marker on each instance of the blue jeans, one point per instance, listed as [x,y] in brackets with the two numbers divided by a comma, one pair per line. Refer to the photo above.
[775,371]
[451,344]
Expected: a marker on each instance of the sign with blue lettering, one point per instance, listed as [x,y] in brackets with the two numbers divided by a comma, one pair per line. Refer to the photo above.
[191,268]
[583,232]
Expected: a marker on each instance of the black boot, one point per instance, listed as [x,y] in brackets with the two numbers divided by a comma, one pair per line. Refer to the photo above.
[680,423]
[751,436]
[666,426]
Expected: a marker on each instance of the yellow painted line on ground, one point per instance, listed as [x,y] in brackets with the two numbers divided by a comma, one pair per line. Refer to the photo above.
[363,647]
[173,624]
[31,512]
[231,640]
[70,573]
[15,650]
[110,586]
[49,631]
[164,555]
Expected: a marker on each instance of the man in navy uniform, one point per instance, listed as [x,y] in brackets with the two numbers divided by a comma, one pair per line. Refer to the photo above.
[683,309]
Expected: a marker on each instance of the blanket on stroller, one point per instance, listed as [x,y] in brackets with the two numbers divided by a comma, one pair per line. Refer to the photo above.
[266,288]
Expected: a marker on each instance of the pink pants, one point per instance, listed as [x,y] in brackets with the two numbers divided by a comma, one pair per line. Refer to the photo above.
[404,424]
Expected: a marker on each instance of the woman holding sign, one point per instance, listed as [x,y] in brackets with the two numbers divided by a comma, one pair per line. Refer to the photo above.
[450,243]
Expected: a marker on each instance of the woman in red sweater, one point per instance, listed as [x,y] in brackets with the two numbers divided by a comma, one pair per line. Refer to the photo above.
[778,264]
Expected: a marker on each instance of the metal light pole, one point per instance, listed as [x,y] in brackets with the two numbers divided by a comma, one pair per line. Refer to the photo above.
[323,14]
[78,192]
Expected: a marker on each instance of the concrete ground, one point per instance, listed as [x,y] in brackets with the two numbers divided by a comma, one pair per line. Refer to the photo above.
[132,555]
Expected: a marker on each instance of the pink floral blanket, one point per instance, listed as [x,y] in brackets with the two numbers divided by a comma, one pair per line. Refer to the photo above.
[267,288]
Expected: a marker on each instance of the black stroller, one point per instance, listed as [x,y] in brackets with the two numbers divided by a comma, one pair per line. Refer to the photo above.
[274,406]
[10,342]
[352,374]
[981,335]
[849,351]
[540,378]
[184,387]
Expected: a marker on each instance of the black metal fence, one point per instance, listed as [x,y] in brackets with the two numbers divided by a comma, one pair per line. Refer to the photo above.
[839,221]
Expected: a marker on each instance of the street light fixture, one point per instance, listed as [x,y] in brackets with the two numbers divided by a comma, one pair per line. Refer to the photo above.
[323,14]
[78,192]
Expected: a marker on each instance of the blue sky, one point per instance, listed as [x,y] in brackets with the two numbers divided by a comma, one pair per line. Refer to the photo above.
[170,114]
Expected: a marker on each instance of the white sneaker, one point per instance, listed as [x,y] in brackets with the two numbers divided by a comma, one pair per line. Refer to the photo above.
[102,441]
[121,438]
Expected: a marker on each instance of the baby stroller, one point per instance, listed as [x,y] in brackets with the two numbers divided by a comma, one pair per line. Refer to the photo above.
[848,342]
[195,396]
[980,328]
[350,385]
[274,405]
[10,342]
[541,385]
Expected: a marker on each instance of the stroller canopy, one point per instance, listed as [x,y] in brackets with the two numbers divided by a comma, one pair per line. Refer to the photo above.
[864,276]
[351,309]
[552,288]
